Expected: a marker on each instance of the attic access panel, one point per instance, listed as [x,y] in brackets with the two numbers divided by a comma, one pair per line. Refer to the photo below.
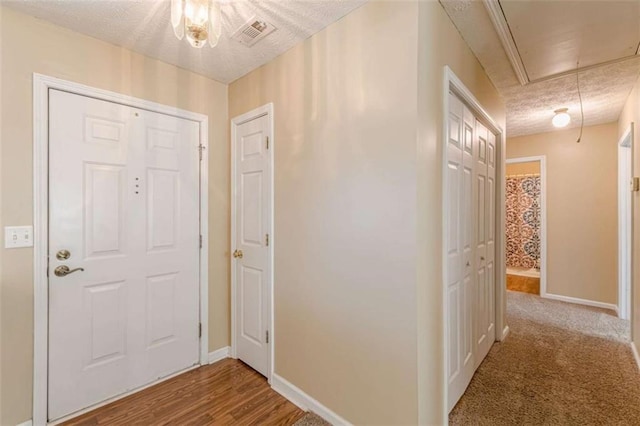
[551,36]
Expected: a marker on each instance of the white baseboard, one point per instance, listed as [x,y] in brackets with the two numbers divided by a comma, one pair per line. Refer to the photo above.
[304,401]
[579,301]
[219,355]
[27,423]
[634,349]
[505,332]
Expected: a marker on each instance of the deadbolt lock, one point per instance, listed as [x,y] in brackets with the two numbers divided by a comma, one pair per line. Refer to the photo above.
[63,255]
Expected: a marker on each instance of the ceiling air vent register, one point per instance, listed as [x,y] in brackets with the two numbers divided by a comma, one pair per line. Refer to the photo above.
[252,32]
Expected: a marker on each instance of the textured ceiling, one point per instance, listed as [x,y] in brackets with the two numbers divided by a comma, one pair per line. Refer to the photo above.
[143,26]
[530,107]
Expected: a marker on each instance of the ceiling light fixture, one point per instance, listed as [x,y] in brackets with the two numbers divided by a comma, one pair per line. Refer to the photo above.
[562,118]
[200,20]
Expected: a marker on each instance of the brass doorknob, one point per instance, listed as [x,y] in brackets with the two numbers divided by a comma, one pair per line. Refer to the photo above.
[63,270]
[238,254]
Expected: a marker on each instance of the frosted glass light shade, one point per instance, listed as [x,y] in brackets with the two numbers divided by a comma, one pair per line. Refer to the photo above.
[199,20]
[561,119]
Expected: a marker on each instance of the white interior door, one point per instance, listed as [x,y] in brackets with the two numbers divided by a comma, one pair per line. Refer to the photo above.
[484,195]
[124,205]
[460,291]
[252,228]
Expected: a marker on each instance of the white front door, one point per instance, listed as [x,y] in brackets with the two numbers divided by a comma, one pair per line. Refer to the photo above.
[124,207]
[252,229]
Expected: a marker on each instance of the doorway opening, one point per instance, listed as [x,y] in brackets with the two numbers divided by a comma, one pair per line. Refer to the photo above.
[525,225]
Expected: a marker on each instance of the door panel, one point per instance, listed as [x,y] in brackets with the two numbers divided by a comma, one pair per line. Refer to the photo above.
[252,226]
[124,201]
[106,308]
[460,236]
[485,242]
[104,201]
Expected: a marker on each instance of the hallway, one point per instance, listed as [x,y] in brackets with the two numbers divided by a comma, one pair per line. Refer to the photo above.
[561,364]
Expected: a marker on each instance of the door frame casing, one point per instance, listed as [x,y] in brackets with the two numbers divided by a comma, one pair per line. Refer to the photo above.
[452,83]
[41,86]
[625,307]
[542,159]
[265,110]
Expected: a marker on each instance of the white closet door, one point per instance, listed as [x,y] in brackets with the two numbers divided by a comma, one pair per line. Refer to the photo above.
[484,214]
[459,249]
[124,205]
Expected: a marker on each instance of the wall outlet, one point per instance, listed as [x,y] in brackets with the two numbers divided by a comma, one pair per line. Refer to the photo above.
[18,236]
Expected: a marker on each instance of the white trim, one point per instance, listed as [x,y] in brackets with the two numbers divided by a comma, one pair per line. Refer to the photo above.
[235,122]
[119,397]
[542,159]
[304,401]
[27,423]
[41,86]
[636,356]
[625,224]
[504,34]
[578,301]
[505,332]
[219,354]
[454,84]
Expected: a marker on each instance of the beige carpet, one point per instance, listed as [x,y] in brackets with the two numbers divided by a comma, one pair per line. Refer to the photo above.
[562,364]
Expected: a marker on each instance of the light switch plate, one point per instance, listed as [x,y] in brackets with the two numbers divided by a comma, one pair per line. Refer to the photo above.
[18,236]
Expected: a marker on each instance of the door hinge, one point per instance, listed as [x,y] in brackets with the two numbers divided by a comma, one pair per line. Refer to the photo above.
[200,241]
[267,142]
[201,148]
[266,240]
[267,335]
[200,330]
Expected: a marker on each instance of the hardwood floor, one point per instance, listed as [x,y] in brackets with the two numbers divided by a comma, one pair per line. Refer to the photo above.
[225,393]
[524,284]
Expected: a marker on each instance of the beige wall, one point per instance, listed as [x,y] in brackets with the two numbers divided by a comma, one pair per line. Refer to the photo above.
[30,45]
[631,114]
[351,119]
[345,196]
[440,44]
[532,167]
[581,209]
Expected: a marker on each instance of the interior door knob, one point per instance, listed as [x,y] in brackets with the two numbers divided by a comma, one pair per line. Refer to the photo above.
[63,270]
[238,254]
